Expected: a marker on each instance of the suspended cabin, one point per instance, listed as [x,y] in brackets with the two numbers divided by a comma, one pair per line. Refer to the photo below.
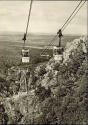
[57,53]
[25,52]
[25,56]
[58,50]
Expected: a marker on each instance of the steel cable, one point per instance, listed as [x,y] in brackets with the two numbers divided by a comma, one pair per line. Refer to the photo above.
[64,26]
[74,15]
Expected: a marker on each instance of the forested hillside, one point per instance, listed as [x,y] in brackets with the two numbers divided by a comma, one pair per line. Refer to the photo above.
[53,92]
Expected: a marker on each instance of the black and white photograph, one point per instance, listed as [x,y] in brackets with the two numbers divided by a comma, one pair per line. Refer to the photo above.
[44,62]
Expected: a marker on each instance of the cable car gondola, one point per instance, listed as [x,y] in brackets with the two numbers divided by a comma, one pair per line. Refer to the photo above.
[25,56]
[25,52]
[58,50]
[57,53]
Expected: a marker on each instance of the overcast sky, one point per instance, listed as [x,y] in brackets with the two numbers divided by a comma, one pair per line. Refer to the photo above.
[46,16]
